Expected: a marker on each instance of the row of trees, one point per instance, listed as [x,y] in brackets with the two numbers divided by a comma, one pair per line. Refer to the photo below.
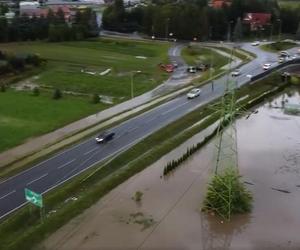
[12,63]
[194,18]
[53,27]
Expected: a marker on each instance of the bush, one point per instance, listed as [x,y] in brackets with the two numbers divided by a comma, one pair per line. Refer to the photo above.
[138,196]
[36,91]
[57,94]
[227,195]
[2,88]
[95,98]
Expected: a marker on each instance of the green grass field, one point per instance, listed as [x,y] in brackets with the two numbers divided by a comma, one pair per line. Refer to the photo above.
[289,3]
[23,115]
[67,60]
[278,46]
[195,55]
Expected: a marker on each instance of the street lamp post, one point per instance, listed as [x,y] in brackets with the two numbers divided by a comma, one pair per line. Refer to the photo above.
[271,33]
[229,31]
[279,32]
[133,73]
[167,28]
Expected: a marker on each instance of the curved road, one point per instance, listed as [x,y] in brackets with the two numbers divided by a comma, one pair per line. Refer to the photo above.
[71,162]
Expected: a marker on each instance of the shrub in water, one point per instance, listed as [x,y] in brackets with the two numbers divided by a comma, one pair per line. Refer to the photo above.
[227,195]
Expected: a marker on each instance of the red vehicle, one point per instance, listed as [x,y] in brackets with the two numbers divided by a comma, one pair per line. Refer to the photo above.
[167,67]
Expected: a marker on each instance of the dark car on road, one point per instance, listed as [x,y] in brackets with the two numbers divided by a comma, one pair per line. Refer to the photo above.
[105,137]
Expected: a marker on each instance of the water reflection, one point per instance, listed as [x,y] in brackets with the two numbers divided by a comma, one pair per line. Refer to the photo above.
[217,234]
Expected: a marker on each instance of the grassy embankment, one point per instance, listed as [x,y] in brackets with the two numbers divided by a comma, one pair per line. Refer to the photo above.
[26,116]
[22,230]
[278,46]
[194,55]
[289,3]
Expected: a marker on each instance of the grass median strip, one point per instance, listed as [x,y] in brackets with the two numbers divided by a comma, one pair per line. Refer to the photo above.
[23,229]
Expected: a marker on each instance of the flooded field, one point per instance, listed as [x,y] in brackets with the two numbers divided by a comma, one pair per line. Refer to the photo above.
[168,215]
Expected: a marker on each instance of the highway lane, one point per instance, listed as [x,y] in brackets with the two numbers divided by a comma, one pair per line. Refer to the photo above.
[69,163]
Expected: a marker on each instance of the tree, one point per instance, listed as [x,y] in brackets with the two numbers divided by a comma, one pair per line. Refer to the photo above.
[3,29]
[57,94]
[36,91]
[2,88]
[238,30]
[298,32]
[95,98]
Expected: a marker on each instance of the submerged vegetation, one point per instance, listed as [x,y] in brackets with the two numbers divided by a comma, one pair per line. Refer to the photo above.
[227,195]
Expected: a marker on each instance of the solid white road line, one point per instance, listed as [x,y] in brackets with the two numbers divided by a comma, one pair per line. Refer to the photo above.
[64,165]
[2,197]
[44,175]
[92,150]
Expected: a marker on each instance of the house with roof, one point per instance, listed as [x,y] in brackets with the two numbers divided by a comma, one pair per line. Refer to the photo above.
[38,11]
[257,21]
[218,4]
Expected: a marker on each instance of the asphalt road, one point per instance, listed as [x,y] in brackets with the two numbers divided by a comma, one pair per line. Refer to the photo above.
[71,162]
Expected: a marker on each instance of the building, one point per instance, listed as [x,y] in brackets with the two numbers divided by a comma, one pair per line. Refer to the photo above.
[218,4]
[34,10]
[257,21]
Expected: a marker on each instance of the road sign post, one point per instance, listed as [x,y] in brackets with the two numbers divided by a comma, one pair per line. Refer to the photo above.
[36,199]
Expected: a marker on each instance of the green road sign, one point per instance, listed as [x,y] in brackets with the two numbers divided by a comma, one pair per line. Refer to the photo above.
[34,198]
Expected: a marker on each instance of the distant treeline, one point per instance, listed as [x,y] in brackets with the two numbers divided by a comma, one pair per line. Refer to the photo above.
[187,19]
[52,27]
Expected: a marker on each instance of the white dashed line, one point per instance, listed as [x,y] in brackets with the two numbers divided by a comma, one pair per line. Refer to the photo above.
[64,165]
[2,197]
[132,129]
[44,175]
[92,150]
[168,111]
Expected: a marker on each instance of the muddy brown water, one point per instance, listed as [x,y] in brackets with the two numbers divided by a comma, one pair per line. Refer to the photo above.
[168,215]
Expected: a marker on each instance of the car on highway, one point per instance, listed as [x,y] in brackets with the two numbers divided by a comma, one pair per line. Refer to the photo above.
[281,59]
[105,137]
[193,93]
[191,69]
[255,43]
[284,53]
[236,72]
[266,66]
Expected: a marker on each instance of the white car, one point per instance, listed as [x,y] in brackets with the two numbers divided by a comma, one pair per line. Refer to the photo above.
[255,43]
[191,69]
[237,72]
[193,93]
[281,59]
[266,66]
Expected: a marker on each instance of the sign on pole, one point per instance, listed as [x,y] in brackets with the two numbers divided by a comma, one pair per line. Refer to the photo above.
[34,198]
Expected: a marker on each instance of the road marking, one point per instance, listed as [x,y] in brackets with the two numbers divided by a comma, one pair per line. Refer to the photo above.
[64,165]
[92,150]
[168,111]
[2,197]
[44,175]
[132,129]
[152,119]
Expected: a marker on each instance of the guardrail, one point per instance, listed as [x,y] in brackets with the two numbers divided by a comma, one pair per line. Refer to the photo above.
[279,66]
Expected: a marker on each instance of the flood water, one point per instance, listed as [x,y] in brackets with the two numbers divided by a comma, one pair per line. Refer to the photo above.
[169,216]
